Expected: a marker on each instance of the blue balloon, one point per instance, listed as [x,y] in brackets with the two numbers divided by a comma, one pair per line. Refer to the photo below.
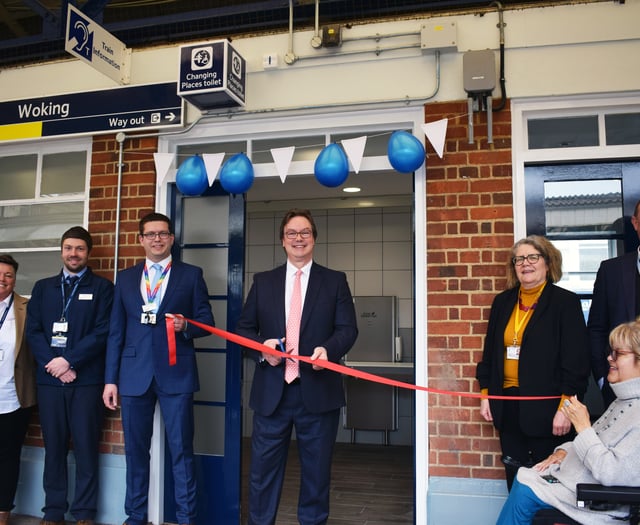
[191,178]
[236,176]
[331,167]
[406,153]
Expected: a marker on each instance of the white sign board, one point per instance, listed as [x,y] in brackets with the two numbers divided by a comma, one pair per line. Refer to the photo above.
[90,42]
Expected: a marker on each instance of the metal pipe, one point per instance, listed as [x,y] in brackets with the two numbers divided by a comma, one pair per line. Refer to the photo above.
[489,120]
[120,138]
[470,118]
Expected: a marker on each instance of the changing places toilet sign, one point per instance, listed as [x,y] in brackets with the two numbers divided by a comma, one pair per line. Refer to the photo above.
[92,44]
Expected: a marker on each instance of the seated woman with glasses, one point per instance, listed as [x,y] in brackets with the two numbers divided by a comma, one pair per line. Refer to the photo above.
[607,453]
[536,346]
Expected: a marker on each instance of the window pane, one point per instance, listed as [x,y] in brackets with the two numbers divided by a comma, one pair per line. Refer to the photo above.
[580,262]
[37,225]
[584,207]
[307,148]
[35,266]
[570,132]
[18,176]
[622,129]
[63,173]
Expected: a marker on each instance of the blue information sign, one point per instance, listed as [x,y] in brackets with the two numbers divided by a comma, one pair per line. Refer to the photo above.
[150,106]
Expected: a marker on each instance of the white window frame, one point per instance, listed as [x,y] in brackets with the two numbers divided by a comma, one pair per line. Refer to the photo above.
[557,107]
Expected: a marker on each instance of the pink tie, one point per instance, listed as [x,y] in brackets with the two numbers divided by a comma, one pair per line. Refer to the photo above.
[293,329]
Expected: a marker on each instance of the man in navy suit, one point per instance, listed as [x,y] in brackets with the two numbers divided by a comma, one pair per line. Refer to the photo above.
[140,368]
[310,399]
[616,300]
[67,327]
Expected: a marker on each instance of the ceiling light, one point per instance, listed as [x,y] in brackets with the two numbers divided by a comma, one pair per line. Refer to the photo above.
[351,189]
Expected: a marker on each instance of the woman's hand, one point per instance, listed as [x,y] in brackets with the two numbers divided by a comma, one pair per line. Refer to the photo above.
[485,410]
[554,459]
[577,413]
[561,424]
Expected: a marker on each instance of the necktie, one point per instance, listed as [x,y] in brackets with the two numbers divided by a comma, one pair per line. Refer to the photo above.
[69,282]
[157,268]
[293,329]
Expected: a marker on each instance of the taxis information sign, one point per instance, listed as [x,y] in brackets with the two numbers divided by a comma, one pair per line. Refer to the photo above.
[150,106]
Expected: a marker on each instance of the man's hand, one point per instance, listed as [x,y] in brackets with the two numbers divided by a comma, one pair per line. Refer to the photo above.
[319,354]
[110,396]
[273,360]
[57,367]
[69,376]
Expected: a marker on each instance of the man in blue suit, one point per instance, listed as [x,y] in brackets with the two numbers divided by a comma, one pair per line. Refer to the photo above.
[616,300]
[309,399]
[141,369]
[67,327]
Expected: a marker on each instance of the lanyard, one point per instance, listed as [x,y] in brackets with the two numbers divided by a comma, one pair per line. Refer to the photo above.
[6,311]
[151,294]
[519,322]
[66,302]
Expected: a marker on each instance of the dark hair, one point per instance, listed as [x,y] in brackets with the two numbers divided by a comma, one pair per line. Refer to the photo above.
[5,258]
[154,216]
[77,232]
[298,212]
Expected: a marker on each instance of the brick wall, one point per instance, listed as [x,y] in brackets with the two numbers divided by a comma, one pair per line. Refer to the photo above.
[469,233]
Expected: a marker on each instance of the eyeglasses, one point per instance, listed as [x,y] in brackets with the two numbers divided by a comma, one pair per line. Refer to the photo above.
[292,234]
[614,353]
[531,258]
[152,235]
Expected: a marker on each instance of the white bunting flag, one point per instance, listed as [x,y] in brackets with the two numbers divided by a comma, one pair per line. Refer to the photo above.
[436,133]
[354,149]
[163,162]
[282,159]
[212,162]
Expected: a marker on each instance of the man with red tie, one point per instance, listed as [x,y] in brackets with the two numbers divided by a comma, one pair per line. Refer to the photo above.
[301,308]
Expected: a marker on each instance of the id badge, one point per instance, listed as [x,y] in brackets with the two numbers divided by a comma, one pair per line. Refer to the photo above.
[513,352]
[59,341]
[147,318]
[60,327]
[149,307]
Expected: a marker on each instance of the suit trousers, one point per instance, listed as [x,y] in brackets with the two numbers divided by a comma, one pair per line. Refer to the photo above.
[71,413]
[316,435]
[137,423]
[13,428]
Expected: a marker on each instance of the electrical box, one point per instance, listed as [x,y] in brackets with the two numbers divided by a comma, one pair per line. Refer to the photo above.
[479,71]
[438,37]
[331,36]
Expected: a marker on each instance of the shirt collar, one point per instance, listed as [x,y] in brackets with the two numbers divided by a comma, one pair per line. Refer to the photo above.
[162,263]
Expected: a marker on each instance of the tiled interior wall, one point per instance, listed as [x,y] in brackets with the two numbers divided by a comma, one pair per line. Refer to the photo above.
[374,247]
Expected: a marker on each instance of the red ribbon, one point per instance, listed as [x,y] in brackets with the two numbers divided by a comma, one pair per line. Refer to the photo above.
[171,340]
[249,343]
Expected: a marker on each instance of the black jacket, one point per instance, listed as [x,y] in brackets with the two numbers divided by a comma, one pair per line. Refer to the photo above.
[554,356]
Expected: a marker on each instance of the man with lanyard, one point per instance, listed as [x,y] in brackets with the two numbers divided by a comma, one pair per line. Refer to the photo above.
[142,369]
[67,328]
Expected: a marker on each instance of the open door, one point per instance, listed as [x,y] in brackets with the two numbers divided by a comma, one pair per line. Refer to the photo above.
[210,234]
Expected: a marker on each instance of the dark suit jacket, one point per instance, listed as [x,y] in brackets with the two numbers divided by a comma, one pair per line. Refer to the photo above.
[25,366]
[88,318]
[328,320]
[554,356]
[613,303]
[138,353]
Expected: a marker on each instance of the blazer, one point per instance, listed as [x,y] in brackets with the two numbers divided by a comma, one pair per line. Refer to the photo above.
[138,353]
[613,303]
[88,318]
[25,366]
[554,356]
[328,320]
